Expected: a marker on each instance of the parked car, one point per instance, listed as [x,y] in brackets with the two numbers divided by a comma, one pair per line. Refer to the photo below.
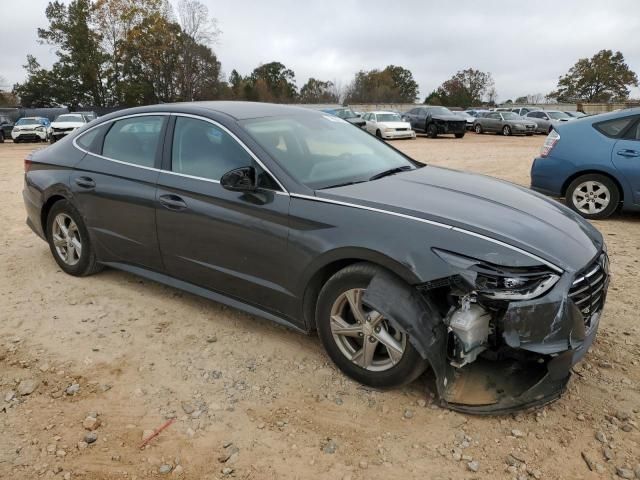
[467,118]
[435,121]
[476,112]
[348,115]
[65,124]
[576,114]
[522,111]
[31,129]
[546,120]
[88,115]
[593,163]
[285,213]
[387,125]
[506,123]
[6,125]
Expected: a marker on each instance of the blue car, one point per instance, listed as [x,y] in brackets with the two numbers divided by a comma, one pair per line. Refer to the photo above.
[594,163]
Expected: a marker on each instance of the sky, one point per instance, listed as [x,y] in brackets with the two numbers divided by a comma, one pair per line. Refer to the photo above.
[525,46]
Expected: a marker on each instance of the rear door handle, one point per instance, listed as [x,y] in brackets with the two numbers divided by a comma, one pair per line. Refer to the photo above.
[628,153]
[85,182]
[172,202]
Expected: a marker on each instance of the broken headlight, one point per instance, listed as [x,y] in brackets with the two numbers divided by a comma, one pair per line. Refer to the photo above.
[501,283]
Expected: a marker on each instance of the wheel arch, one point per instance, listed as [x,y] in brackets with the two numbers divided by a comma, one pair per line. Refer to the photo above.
[46,208]
[332,262]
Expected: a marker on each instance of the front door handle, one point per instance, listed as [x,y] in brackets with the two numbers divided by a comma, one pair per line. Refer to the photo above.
[86,182]
[172,202]
[628,153]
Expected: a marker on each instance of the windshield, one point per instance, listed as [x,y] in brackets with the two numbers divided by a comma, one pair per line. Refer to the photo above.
[345,113]
[388,117]
[70,118]
[440,111]
[321,151]
[510,116]
[557,115]
[28,121]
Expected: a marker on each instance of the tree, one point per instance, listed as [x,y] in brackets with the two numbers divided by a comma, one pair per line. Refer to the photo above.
[467,88]
[392,85]
[601,78]
[271,82]
[317,91]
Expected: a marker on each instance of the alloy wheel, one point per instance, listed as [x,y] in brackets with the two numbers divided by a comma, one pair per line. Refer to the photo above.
[591,197]
[363,335]
[66,239]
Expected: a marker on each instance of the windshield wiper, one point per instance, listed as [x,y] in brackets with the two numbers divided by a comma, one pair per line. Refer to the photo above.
[342,184]
[391,171]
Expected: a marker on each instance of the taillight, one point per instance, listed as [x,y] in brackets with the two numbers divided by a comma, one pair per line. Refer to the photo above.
[552,139]
[27,164]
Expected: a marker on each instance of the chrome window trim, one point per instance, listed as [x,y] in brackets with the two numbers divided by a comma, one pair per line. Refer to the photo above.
[178,114]
[436,224]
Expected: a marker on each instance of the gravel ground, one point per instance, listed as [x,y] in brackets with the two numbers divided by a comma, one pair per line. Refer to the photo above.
[89,367]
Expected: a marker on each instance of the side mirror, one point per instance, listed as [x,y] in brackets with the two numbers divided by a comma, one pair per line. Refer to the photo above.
[241,179]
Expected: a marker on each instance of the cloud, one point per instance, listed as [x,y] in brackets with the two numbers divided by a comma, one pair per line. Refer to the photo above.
[525,46]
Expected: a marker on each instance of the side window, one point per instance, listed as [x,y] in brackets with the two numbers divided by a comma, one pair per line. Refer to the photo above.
[634,133]
[201,149]
[134,140]
[90,141]
[613,128]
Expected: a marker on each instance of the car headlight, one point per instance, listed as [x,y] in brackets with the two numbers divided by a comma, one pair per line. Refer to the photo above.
[39,129]
[388,130]
[501,283]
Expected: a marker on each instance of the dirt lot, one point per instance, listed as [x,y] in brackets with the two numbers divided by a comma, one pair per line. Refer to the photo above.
[252,400]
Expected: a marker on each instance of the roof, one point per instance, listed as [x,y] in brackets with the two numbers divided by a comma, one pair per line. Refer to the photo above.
[384,111]
[235,109]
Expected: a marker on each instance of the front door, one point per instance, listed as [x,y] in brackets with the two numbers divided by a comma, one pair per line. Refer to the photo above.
[234,243]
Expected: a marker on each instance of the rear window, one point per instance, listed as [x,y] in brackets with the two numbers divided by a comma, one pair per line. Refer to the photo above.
[614,128]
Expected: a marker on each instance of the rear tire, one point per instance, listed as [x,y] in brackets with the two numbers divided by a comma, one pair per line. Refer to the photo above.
[459,135]
[593,196]
[69,241]
[1,136]
[334,314]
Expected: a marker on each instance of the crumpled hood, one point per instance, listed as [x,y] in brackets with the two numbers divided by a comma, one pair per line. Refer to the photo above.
[483,205]
[447,118]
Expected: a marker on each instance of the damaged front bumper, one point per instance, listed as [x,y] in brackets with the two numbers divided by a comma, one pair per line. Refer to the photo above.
[536,342]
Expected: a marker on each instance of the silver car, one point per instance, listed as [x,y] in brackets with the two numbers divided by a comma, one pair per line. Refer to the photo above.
[506,123]
[546,119]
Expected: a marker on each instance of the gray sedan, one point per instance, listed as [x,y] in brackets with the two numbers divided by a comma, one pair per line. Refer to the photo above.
[506,123]
[547,119]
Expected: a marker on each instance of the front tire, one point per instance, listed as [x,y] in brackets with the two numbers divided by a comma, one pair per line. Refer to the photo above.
[593,196]
[1,136]
[459,135]
[478,128]
[432,130]
[506,130]
[378,134]
[69,240]
[362,343]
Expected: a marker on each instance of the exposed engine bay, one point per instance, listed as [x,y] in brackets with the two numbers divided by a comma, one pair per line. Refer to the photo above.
[497,339]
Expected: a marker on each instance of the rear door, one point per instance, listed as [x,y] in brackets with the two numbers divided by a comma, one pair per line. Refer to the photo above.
[234,243]
[114,188]
[626,157]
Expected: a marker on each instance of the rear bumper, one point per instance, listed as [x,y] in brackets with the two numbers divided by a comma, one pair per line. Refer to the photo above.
[33,207]
[548,175]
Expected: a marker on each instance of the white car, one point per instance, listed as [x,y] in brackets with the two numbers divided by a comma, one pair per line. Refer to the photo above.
[388,125]
[65,124]
[31,129]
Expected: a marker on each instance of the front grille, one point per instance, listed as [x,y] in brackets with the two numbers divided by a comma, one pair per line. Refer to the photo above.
[401,129]
[67,129]
[589,289]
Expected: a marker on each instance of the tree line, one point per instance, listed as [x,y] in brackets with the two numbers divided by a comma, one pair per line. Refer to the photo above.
[113,53]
